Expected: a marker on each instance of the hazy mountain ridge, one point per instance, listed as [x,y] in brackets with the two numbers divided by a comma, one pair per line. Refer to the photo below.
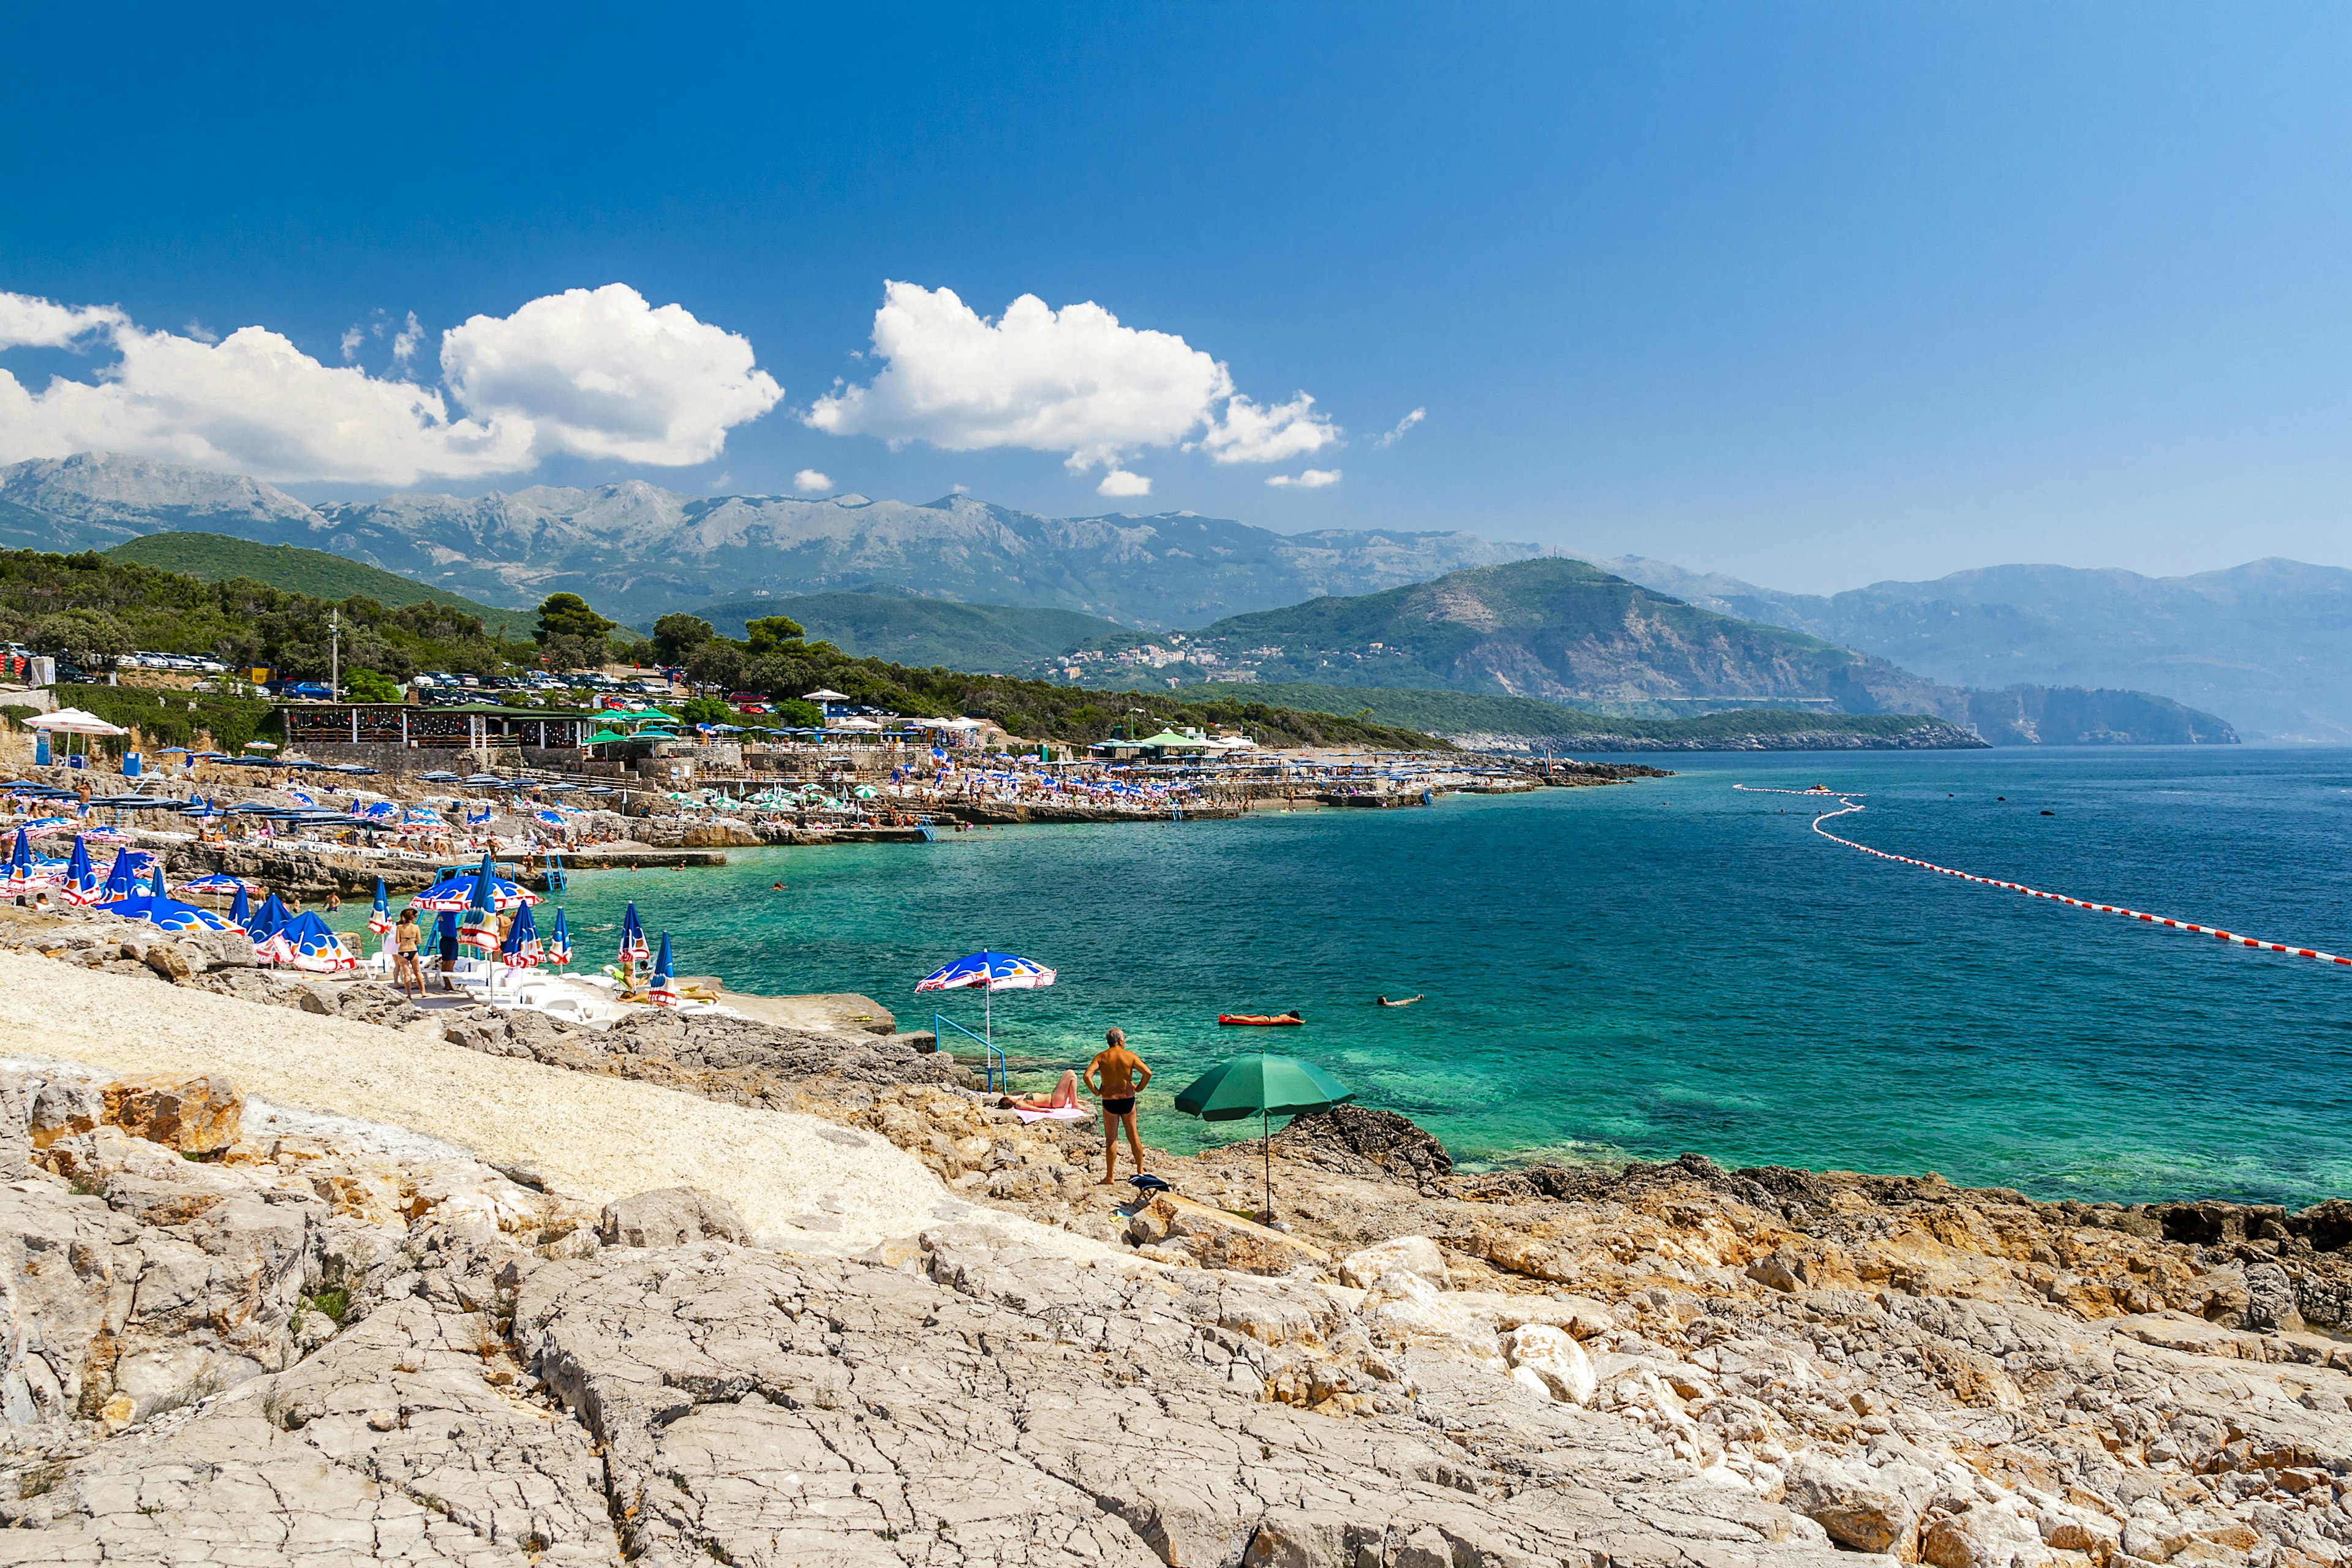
[1563,631]
[637,550]
[2263,644]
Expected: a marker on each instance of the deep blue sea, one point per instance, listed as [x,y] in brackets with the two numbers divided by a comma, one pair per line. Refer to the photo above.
[1649,968]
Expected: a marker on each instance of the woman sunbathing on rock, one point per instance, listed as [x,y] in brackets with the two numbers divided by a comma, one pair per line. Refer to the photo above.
[1064,1097]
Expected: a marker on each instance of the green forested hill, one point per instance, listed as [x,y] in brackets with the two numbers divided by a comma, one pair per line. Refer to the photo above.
[908,630]
[91,609]
[1470,713]
[217,558]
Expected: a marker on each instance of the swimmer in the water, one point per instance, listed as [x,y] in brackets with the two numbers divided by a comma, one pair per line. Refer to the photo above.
[1405,1002]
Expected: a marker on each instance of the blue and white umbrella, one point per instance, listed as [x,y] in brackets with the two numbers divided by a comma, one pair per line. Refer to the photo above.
[990,973]
[456,892]
[991,970]
[239,909]
[266,920]
[632,936]
[558,942]
[82,884]
[122,877]
[23,871]
[663,991]
[167,913]
[481,919]
[305,942]
[521,948]
[380,912]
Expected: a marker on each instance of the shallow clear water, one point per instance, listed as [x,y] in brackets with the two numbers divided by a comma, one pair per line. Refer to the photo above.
[1664,966]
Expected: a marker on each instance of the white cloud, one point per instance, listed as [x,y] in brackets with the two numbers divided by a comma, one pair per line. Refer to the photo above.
[1073,380]
[601,375]
[809,482]
[403,346]
[1390,438]
[353,339]
[1312,480]
[1249,434]
[29,323]
[1119,482]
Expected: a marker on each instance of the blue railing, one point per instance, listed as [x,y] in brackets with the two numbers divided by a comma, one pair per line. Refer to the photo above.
[998,1078]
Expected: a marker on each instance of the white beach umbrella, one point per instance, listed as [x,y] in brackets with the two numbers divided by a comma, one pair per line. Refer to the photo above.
[74,722]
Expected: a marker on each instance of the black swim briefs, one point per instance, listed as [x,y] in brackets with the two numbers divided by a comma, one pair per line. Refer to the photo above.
[1119,1107]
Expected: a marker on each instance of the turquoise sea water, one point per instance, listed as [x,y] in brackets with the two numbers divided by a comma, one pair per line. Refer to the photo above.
[1666,965]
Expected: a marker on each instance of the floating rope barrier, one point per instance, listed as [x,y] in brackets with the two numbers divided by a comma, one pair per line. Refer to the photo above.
[1851,801]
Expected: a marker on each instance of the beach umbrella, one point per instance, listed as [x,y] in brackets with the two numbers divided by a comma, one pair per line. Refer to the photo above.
[214,882]
[239,909]
[82,884]
[122,877]
[521,948]
[633,937]
[380,912]
[456,891]
[992,972]
[558,942]
[481,923]
[167,913]
[305,942]
[663,991]
[22,877]
[1267,1086]
[266,920]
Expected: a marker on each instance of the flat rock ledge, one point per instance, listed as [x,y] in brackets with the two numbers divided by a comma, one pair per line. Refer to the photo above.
[236,1337]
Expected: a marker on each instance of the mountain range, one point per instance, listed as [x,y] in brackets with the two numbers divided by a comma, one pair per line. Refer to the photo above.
[1564,631]
[637,550]
[2265,644]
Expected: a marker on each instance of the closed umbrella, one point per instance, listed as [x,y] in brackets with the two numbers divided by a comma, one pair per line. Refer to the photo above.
[239,909]
[1267,1086]
[481,921]
[380,912]
[521,948]
[266,920]
[82,884]
[633,939]
[558,942]
[662,989]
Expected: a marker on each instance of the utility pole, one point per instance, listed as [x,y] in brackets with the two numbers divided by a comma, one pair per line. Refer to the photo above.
[335,654]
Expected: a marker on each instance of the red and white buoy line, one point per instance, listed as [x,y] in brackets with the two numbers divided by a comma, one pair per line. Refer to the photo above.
[1851,801]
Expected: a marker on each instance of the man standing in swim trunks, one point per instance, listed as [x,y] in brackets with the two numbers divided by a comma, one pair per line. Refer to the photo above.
[1117,1076]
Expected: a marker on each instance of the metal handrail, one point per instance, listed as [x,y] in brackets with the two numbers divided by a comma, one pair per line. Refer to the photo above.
[992,1063]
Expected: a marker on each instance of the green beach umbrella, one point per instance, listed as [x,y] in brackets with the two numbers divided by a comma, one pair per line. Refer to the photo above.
[1267,1087]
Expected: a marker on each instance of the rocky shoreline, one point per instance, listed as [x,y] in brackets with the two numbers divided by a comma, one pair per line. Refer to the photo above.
[242,1334]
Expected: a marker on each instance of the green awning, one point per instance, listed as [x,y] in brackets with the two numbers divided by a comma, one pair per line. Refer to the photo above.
[1169,738]
[602,736]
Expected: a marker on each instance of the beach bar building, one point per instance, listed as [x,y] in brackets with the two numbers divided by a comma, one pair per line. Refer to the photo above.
[476,726]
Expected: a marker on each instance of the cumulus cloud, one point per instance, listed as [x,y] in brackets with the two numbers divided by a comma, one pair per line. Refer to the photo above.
[809,482]
[353,339]
[600,374]
[1249,434]
[29,323]
[1311,479]
[1073,381]
[603,374]
[1390,438]
[405,344]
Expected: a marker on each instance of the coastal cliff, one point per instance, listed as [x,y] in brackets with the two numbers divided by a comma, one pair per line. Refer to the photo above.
[297,1331]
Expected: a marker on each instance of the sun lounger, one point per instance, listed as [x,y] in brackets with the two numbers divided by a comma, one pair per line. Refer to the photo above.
[1068,1113]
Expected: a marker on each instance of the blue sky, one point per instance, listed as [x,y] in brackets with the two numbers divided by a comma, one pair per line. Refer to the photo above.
[1815,294]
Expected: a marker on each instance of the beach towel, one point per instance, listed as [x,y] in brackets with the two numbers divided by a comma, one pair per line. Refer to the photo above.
[1068,1113]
